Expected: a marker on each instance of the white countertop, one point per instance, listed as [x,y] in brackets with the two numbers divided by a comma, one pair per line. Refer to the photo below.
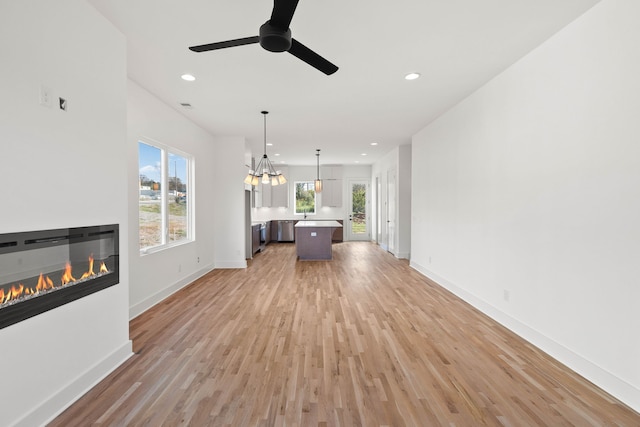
[332,224]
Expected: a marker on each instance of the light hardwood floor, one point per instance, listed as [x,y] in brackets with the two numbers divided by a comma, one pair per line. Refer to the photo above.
[363,340]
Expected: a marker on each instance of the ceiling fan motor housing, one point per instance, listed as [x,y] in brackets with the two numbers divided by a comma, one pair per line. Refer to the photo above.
[274,39]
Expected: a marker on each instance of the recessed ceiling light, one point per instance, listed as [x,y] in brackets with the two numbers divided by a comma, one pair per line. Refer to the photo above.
[357,161]
[374,143]
[412,76]
[188,77]
[269,144]
[277,154]
[363,154]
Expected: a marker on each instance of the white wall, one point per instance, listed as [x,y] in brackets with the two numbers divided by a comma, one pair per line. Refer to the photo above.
[218,201]
[62,169]
[528,202]
[227,196]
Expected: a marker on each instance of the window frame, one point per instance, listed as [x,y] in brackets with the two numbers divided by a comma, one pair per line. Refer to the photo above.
[165,176]
[311,187]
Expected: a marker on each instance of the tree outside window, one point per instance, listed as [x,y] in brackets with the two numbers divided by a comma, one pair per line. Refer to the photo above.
[305,198]
[359,206]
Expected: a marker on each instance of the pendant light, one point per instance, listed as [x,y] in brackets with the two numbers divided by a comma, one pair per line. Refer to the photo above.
[318,182]
[265,172]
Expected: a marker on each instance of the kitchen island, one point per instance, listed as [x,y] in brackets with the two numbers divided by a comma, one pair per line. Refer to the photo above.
[313,239]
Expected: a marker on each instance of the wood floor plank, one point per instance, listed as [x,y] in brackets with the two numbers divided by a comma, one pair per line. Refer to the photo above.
[363,340]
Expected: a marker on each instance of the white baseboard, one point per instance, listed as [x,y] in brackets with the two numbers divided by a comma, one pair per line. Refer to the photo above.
[617,387]
[139,308]
[56,404]
[231,264]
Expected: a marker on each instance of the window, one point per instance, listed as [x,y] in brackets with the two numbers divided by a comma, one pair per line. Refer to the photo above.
[164,213]
[305,198]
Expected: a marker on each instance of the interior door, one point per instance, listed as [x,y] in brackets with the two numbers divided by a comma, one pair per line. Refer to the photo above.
[377,194]
[391,210]
[358,226]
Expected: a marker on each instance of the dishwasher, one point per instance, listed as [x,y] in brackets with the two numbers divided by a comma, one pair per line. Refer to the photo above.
[285,231]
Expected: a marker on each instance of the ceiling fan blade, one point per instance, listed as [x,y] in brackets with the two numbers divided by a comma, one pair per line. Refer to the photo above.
[300,51]
[225,44]
[283,13]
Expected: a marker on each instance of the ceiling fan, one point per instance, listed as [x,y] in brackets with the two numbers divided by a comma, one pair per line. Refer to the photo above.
[275,36]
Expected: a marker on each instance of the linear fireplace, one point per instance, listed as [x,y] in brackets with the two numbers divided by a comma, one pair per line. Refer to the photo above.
[42,270]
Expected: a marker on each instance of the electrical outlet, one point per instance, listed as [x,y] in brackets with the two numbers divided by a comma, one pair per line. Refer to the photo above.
[198,260]
[505,295]
[179,268]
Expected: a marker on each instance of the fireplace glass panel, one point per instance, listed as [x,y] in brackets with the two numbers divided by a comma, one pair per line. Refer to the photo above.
[41,270]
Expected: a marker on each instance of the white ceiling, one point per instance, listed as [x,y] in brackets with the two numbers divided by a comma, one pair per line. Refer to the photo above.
[457,46]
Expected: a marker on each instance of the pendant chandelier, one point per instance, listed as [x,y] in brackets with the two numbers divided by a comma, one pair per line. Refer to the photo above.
[265,172]
[318,182]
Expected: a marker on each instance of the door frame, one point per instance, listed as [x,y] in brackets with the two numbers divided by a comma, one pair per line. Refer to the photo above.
[349,235]
[391,229]
[376,196]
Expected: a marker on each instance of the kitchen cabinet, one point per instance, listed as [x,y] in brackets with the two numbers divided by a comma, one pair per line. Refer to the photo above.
[313,239]
[280,196]
[265,195]
[331,193]
[331,172]
[280,193]
[269,196]
[338,234]
[262,196]
[274,230]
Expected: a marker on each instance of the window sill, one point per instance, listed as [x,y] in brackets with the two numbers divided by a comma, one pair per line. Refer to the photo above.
[154,249]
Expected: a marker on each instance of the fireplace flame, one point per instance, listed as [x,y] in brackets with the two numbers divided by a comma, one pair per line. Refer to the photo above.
[13,293]
[16,292]
[66,276]
[45,283]
[90,271]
